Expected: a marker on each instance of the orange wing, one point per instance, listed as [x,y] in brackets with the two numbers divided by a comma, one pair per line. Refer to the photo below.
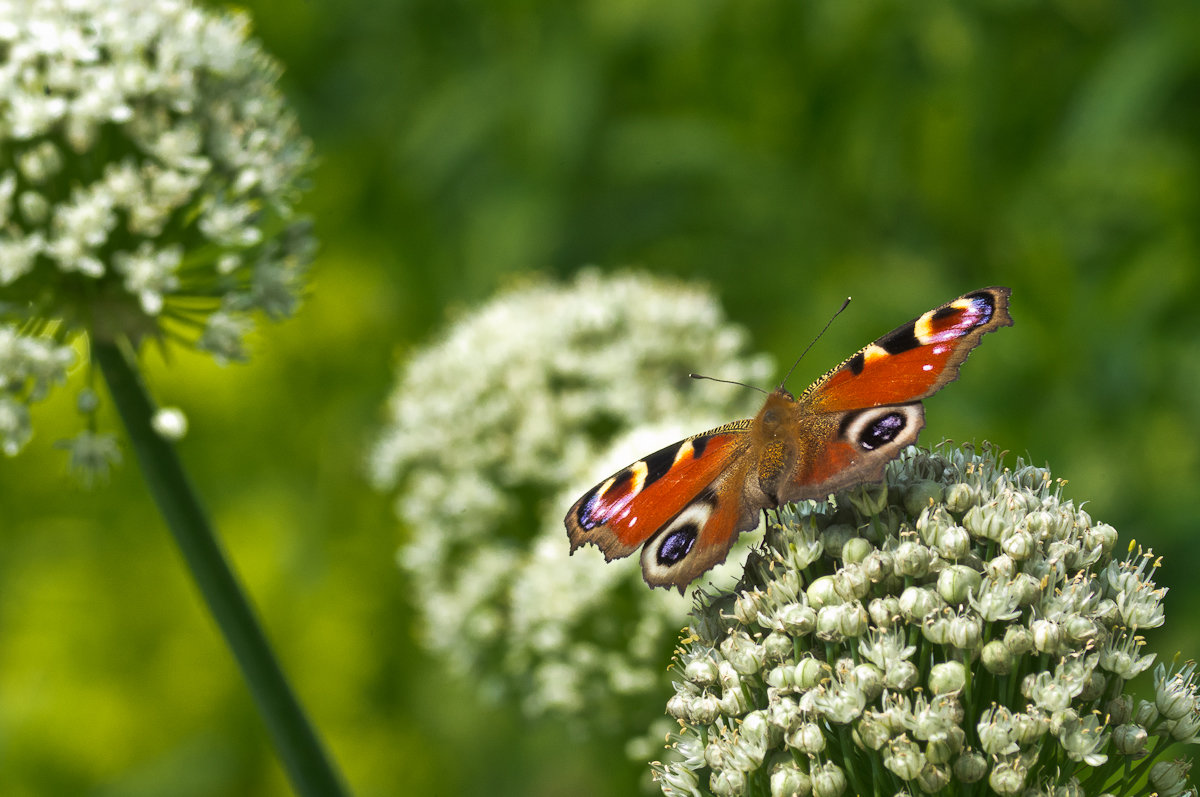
[913,361]
[859,416]
[626,509]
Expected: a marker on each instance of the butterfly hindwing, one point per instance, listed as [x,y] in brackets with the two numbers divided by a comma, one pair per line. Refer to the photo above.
[700,535]
[850,447]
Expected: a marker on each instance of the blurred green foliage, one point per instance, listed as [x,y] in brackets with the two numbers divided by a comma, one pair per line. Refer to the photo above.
[790,153]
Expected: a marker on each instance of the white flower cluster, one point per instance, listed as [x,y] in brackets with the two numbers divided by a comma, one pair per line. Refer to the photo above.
[960,626]
[148,175]
[29,367]
[495,430]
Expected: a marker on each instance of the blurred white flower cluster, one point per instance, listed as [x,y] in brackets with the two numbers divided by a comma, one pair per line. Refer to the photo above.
[960,626]
[495,430]
[149,171]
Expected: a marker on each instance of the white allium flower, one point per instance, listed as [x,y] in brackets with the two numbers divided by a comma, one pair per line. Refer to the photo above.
[1003,665]
[170,423]
[92,454]
[497,427]
[149,171]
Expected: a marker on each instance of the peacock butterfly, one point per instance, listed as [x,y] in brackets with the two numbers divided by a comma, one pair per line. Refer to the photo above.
[686,504]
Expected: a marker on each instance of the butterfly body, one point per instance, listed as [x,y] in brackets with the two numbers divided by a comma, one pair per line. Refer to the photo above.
[685,504]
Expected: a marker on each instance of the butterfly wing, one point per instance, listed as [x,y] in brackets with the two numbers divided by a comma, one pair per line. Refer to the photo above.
[859,416]
[676,503]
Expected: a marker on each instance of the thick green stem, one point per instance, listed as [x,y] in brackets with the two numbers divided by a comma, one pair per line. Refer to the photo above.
[308,767]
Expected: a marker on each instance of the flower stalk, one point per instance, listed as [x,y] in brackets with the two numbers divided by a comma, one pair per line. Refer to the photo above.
[308,767]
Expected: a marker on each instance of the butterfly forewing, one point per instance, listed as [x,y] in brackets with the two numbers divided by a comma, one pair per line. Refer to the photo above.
[913,361]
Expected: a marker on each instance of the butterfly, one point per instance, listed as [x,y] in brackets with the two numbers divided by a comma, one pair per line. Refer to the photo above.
[685,504]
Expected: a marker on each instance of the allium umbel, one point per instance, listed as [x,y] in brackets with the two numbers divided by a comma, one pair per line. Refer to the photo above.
[523,403]
[961,628]
[149,170]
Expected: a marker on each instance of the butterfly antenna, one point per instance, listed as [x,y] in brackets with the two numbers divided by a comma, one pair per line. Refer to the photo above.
[787,376]
[726,381]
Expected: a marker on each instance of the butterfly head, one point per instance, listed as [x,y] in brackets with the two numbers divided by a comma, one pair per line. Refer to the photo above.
[776,411]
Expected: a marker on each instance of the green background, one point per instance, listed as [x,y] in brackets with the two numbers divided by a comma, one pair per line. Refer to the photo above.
[789,154]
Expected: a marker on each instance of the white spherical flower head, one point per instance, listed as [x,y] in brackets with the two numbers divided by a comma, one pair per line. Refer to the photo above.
[146,148]
[983,663]
[497,427]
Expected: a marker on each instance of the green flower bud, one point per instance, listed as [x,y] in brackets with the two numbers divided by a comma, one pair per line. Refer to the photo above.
[828,780]
[679,707]
[954,543]
[1018,639]
[884,611]
[1047,636]
[917,603]
[947,677]
[933,778]
[956,583]
[986,521]
[960,497]
[1129,739]
[781,677]
[1032,477]
[746,657]
[1007,777]
[1146,714]
[836,536]
[1119,709]
[921,495]
[1027,588]
[788,780]
[747,606]
[966,632]
[912,559]
[783,713]
[810,672]
[1018,544]
[1102,536]
[852,582]
[846,621]
[807,738]
[702,672]
[1001,568]
[872,732]
[970,767]
[734,703]
[995,658]
[823,592]
[777,646]
[796,619]
[878,565]
[728,783]
[901,675]
[1170,777]
[704,709]
[855,550]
